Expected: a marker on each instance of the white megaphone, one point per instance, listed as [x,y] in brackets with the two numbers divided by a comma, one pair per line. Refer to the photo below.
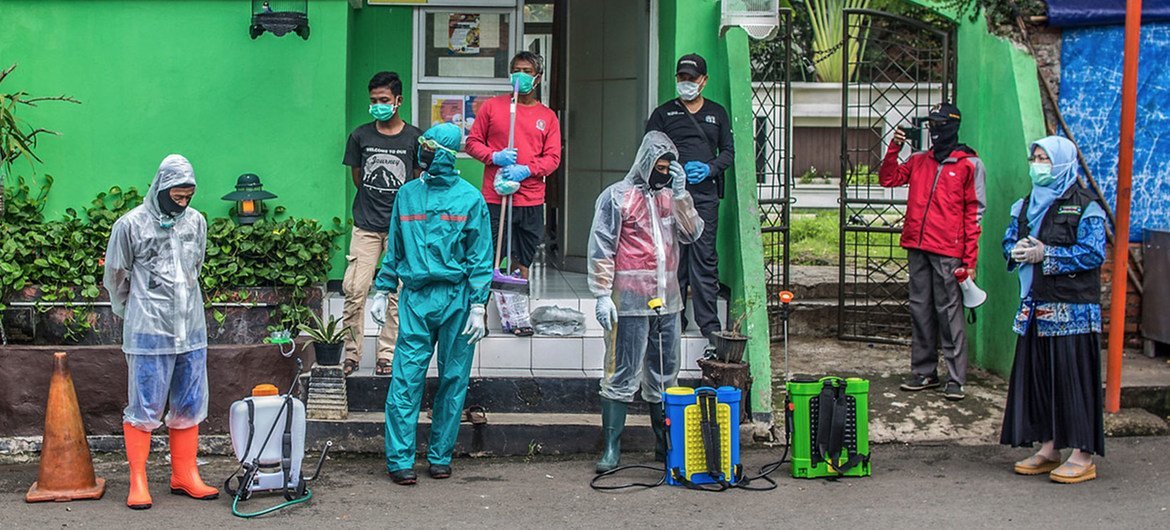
[973,296]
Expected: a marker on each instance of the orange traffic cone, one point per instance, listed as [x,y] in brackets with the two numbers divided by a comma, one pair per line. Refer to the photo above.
[66,472]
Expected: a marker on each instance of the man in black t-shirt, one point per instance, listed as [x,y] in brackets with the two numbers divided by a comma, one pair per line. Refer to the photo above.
[701,130]
[381,157]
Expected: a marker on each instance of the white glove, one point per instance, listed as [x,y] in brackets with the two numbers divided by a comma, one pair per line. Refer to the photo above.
[1029,250]
[476,327]
[378,308]
[678,178]
[606,312]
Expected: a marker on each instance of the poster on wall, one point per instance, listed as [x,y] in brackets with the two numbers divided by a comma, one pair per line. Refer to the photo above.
[459,109]
[463,33]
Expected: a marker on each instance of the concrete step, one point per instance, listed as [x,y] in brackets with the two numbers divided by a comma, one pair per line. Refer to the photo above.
[505,434]
[544,395]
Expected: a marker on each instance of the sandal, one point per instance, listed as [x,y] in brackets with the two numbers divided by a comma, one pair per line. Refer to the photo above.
[476,415]
[1035,465]
[382,367]
[349,367]
[523,331]
[1073,473]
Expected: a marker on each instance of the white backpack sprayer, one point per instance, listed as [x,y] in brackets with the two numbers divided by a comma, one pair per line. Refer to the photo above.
[268,438]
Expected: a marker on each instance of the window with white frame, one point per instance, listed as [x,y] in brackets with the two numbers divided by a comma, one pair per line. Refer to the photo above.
[461,58]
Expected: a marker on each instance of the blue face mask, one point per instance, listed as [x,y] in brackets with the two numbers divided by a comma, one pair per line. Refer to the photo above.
[1041,173]
[524,81]
[383,111]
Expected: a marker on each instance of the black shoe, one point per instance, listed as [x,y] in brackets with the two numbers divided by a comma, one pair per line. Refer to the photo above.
[915,383]
[404,477]
[439,471]
[953,391]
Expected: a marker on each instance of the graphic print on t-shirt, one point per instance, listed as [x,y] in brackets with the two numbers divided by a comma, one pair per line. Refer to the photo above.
[383,172]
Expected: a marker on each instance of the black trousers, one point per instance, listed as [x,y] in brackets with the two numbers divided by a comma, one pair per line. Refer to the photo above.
[527,232]
[698,270]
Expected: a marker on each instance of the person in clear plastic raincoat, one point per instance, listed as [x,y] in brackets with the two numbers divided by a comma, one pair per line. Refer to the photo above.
[633,259]
[152,268]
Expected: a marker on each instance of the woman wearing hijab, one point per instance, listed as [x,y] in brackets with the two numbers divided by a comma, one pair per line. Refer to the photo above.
[1056,244]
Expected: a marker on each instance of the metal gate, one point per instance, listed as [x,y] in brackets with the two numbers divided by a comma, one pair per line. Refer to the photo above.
[894,70]
[772,103]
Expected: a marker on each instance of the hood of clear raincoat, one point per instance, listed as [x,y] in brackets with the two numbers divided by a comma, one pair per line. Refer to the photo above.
[633,246]
[152,273]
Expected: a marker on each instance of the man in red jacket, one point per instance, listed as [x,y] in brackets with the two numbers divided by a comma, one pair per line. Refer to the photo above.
[940,234]
[536,154]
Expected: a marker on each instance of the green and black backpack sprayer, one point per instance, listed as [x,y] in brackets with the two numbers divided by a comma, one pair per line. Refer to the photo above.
[268,438]
[826,431]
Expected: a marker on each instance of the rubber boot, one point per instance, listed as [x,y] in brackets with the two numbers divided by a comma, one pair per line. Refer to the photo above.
[658,423]
[613,421]
[137,452]
[185,478]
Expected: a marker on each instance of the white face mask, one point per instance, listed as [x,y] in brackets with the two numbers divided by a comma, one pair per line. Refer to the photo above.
[687,90]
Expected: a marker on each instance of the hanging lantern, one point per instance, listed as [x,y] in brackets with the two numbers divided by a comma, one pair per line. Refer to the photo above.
[249,198]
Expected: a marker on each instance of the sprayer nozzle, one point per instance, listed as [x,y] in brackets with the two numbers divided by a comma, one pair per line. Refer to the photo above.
[655,303]
[786,297]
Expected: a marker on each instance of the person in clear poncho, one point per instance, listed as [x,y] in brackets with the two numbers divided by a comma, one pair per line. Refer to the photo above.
[633,259]
[152,268]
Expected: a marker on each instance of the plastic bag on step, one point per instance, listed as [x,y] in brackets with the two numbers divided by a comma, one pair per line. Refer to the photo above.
[513,310]
[558,321]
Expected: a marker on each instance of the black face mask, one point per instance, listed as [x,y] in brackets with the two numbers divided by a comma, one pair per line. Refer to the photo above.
[944,137]
[425,158]
[168,205]
[659,179]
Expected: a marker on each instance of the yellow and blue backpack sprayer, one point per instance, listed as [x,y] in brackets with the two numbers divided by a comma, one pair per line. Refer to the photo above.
[268,438]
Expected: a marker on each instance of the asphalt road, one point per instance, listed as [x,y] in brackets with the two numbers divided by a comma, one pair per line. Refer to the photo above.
[919,486]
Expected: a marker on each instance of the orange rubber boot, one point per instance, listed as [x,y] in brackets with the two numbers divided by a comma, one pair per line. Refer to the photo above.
[137,451]
[184,471]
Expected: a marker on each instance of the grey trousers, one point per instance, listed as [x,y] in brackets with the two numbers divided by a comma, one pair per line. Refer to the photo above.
[936,309]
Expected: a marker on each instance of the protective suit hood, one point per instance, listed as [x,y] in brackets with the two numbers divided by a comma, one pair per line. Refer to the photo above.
[441,171]
[654,145]
[174,171]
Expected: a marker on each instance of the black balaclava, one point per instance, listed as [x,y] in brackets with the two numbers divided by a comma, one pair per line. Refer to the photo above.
[944,130]
[659,180]
[168,205]
[944,138]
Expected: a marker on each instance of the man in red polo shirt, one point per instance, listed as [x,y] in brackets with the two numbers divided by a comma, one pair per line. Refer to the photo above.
[535,155]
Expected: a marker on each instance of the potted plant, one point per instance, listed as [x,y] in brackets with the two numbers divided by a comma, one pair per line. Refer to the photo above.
[731,342]
[328,339]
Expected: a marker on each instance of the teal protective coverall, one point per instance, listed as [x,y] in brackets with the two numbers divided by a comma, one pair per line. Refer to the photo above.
[440,249]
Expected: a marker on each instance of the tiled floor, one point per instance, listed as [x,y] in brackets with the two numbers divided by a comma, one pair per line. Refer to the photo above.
[501,355]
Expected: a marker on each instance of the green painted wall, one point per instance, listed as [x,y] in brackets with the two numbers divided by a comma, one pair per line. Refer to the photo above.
[692,26]
[999,124]
[157,77]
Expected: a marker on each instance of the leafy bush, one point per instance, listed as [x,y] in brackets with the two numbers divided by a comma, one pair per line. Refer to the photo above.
[64,257]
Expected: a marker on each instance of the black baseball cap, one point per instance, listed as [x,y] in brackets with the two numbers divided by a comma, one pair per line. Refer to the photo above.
[692,64]
[945,112]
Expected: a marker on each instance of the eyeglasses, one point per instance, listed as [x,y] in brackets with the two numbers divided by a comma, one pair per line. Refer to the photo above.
[435,146]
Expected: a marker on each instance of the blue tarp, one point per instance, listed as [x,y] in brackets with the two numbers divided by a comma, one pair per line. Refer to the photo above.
[1065,13]
[1090,98]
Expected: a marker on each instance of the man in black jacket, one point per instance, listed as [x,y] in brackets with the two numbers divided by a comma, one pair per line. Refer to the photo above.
[701,130]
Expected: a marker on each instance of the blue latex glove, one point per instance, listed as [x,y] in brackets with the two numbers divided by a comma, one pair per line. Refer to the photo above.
[505,187]
[697,171]
[516,172]
[504,158]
